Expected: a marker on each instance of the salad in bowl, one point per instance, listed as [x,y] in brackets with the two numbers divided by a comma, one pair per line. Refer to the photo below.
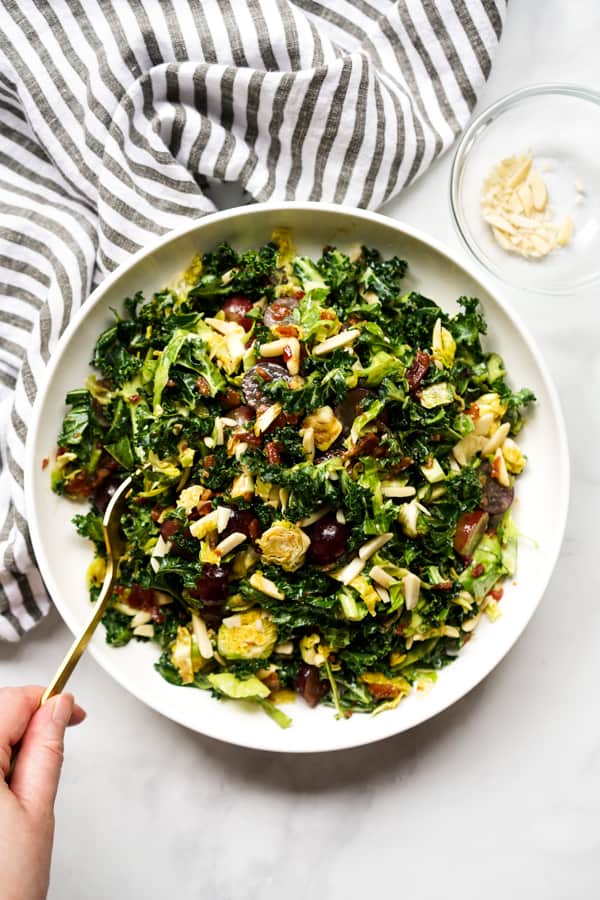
[323,468]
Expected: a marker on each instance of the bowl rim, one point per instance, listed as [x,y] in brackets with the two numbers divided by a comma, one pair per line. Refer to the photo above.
[562,494]
[467,140]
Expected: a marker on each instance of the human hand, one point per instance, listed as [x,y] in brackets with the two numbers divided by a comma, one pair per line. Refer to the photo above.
[27,805]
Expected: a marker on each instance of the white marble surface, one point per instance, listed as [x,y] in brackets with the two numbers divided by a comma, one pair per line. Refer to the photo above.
[498,796]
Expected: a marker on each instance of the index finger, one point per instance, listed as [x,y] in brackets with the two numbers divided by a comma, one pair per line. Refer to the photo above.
[17,706]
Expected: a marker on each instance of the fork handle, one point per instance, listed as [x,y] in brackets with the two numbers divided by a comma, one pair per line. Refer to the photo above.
[79,645]
[73,655]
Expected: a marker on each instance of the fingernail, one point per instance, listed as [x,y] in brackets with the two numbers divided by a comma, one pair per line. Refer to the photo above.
[63,709]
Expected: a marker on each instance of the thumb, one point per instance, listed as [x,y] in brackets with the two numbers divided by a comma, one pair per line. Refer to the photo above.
[35,778]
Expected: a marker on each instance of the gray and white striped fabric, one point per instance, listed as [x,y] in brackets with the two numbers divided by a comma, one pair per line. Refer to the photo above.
[117,118]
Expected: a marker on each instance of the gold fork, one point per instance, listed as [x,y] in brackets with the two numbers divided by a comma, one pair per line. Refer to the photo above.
[111,526]
[113,539]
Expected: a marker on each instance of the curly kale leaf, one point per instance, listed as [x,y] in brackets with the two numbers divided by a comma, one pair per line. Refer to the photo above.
[382,276]
[78,422]
[467,326]
[113,354]
[515,401]
[289,442]
[414,320]
[341,274]
[118,629]
[309,485]
[225,272]
[218,470]
[90,526]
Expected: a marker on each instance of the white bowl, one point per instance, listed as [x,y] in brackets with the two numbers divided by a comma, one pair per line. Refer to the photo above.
[63,557]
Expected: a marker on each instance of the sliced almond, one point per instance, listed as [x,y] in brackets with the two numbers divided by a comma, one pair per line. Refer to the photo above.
[349,572]
[526,198]
[542,246]
[381,577]
[267,417]
[274,348]
[201,635]
[496,440]
[343,339]
[538,190]
[265,586]
[146,631]
[515,205]
[520,171]
[502,239]
[371,547]
[565,231]
[499,222]
[230,543]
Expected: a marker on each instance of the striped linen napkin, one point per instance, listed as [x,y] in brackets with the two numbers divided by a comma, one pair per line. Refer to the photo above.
[118,117]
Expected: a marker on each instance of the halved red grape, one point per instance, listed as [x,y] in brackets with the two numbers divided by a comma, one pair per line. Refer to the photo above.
[255,379]
[351,406]
[244,521]
[241,414]
[328,540]
[280,312]
[470,528]
[236,309]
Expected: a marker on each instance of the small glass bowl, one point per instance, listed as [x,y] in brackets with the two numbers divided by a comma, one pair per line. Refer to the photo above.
[559,125]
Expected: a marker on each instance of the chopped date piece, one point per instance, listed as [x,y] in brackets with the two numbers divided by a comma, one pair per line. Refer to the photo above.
[383,691]
[273,451]
[287,331]
[169,528]
[202,386]
[180,537]
[285,418]
[417,369]
[367,445]
[272,681]
[398,467]
[156,512]
[79,485]
[231,399]
[141,598]
[101,484]
[308,683]
[106,482]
